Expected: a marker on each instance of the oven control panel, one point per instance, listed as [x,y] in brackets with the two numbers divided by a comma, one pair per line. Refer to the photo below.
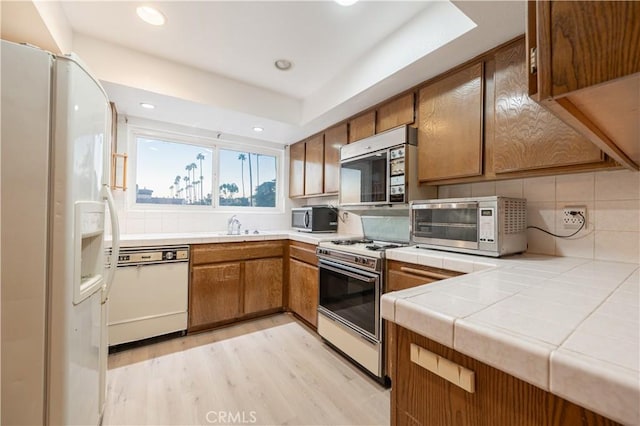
[364,262]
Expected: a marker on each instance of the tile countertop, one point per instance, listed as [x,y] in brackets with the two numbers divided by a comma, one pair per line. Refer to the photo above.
[142,240]
[569,326]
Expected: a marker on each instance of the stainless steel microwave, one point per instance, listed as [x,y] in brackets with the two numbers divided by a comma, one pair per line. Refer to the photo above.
[489,226]
[314,219]
[381,170]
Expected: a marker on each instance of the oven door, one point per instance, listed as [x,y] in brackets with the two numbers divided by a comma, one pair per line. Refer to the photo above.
[446,224]
[364,180]
[351,297]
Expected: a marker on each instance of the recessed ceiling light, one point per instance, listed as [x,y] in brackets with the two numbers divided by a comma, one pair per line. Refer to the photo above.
[147,105]
[258,129]
[345,2]
[283,64]
[151,15]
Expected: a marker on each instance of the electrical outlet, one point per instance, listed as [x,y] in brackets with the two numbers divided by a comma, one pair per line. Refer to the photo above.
[570,221]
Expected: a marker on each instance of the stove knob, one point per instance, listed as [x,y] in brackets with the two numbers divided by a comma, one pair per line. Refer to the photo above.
[168,255]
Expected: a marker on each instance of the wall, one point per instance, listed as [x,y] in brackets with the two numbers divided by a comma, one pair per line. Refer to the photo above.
[613,211]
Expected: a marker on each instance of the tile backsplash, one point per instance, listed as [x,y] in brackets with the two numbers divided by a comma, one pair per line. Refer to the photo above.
[613,211]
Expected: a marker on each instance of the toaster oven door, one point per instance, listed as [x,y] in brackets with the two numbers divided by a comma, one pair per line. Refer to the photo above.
[446,224]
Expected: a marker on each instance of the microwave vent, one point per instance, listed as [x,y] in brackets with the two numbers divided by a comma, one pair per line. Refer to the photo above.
[515,216]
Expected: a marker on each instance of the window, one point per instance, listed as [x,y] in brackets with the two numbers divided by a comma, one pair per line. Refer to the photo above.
[247,179]
[173,173]
[176,171]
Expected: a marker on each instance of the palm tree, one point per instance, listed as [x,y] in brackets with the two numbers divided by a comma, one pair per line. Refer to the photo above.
[200,157]
[188,168]
[171,189]
[176,182]
[193,180]
[187,187]
[195,189]
[242,158]
[250,183]
[257,170]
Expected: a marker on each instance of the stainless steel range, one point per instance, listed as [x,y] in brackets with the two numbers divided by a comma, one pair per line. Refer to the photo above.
[351,283]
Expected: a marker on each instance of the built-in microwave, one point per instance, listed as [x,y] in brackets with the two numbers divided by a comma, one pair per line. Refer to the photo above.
[381,170]
[491,226]
[314,219]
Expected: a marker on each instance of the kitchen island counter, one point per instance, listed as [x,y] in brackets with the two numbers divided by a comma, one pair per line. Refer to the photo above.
[566,325]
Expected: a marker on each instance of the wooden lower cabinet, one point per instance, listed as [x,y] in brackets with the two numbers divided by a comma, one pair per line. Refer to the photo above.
[262,285]
[400,276]
[420,397]
[232,281]
[302,297]
[216,291]
[303,290]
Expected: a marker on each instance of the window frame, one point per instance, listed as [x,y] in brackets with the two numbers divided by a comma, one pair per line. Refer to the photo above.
[210,143]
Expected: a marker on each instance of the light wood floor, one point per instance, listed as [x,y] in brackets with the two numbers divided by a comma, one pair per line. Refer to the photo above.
[270,371]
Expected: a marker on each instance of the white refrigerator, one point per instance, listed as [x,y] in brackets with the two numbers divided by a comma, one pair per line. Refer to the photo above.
[54,200]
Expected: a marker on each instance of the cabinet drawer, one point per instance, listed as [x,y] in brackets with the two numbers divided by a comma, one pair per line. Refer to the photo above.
[225,252]
[304,252]
[401,275]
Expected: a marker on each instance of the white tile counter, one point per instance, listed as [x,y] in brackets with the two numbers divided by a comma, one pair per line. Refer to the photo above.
[567,325]
[142,240]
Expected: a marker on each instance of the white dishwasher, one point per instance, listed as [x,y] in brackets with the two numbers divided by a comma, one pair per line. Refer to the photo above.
[149,293]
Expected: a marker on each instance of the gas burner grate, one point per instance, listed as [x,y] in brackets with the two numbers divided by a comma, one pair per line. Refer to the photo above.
[351,242]
[376,247]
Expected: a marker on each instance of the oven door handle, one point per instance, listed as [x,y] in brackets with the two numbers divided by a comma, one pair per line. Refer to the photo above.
[364,278]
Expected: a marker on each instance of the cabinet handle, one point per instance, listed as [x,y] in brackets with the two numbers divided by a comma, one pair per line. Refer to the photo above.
[448,370]
[533,60]
[426,274]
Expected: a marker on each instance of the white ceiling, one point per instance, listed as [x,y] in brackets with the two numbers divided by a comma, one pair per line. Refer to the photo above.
[211,66]
[242,39]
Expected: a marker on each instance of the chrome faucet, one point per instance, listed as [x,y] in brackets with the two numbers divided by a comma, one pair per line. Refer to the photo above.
[234,225]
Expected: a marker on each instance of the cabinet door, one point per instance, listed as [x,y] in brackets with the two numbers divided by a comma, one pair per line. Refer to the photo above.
[395,113]
[362,126]
[262,285]
[215,293]
[593,42]
[334,138]
[314,166]
[527,136]
[450,141]
[303,291]
[296,169]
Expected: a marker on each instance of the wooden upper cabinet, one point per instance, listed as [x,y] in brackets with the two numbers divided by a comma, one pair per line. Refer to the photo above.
[395,113]
[314,166]
[593,42]
[296,169]
[362,126]
[334,138]
[584,65]
[450,142]
[528,136]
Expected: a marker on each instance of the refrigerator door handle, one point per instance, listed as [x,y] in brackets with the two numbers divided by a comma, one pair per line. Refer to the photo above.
[115,242]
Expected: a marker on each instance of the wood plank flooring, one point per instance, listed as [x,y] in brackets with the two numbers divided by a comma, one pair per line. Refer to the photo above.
[270,371]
